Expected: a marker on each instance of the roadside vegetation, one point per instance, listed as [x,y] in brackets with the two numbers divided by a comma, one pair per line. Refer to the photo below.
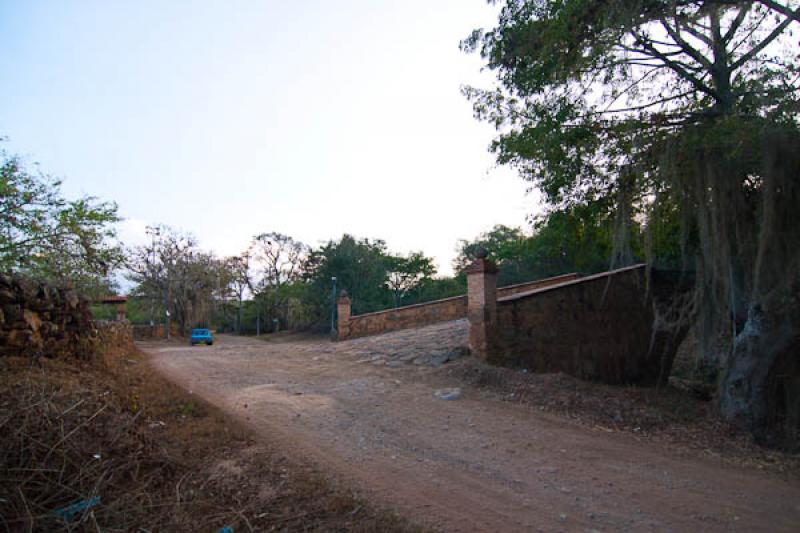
[109,445]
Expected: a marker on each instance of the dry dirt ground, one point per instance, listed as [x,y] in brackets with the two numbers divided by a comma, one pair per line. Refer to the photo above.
[105,443]
[366,411]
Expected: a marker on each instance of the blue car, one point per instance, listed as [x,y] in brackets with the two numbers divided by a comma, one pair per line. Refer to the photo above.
[201,336]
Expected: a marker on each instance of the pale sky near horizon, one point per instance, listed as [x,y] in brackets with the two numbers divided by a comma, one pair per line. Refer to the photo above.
[228,119]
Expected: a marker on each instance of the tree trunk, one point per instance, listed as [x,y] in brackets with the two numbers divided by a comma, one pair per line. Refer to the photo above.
[721,71]
[743,389]
[239,317]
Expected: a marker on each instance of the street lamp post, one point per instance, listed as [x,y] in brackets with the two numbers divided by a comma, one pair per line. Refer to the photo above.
[333,307]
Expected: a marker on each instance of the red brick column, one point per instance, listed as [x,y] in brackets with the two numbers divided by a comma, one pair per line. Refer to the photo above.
[343,313]
[481,303]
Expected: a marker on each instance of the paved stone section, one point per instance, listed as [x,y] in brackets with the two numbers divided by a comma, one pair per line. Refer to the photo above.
[433,345]
[365,411]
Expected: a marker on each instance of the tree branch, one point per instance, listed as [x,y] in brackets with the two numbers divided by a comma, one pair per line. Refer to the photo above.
[763,44]
[653,57]
[644,106]
[780,8]
[686,47]
[696,34]
[737,22]
[676,67]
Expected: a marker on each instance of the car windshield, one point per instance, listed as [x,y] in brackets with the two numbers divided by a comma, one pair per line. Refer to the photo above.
[199,332]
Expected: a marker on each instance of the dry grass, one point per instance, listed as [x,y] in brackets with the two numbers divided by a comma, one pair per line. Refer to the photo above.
[154,457]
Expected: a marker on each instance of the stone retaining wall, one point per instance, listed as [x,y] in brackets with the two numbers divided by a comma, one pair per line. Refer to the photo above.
[36,319]
[413,316]
[600,327]
[156,331]
[510,290]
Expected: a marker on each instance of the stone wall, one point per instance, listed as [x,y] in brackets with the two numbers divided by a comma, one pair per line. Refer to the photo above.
[414,316]
[600,327]
[39,320]
[113,336]
[156,331]
[411,316]
[510,290]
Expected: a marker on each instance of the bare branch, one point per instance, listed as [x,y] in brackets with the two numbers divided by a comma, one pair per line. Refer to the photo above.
[780,8]
[737,22]
[763,44]
[686,47]
[696,34]
[631,87]
[644,106]
[676,67]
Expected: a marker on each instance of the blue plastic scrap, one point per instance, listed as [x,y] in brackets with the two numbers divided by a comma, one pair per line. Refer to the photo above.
[226,529]
[69,512]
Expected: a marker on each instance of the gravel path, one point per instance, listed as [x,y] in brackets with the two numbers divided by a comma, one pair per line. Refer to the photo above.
[369,412]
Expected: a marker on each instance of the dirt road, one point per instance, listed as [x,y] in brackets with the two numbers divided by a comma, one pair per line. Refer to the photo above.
[366,411]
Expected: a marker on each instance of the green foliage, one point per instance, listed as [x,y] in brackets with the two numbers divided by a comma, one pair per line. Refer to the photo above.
[588,89]
[439,288]
[140,309]
[103,312]
[676,123]
[575,239]
[373,278]
[408,276]
[44,236]
[359,266]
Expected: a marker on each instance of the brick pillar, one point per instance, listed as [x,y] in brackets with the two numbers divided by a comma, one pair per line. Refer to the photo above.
[481,303]
[120,312]
[343,316]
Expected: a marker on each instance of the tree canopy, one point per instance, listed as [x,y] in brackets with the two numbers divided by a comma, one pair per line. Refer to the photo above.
[586,87]
[45,236]
[179,281]
[678,117]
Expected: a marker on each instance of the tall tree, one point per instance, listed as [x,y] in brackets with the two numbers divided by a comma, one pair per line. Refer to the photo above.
[176,277]
[360,267]
[408,274]
[45,236]
[241,281]
[671,108]
[575,239]
[279,259]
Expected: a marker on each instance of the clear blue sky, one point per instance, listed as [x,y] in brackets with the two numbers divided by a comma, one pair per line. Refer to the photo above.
[228,119]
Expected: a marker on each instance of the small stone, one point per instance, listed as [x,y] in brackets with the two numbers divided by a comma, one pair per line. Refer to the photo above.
[448,394]
[438,360]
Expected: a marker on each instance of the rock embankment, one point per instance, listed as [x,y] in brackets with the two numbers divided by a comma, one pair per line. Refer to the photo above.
[37,319]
